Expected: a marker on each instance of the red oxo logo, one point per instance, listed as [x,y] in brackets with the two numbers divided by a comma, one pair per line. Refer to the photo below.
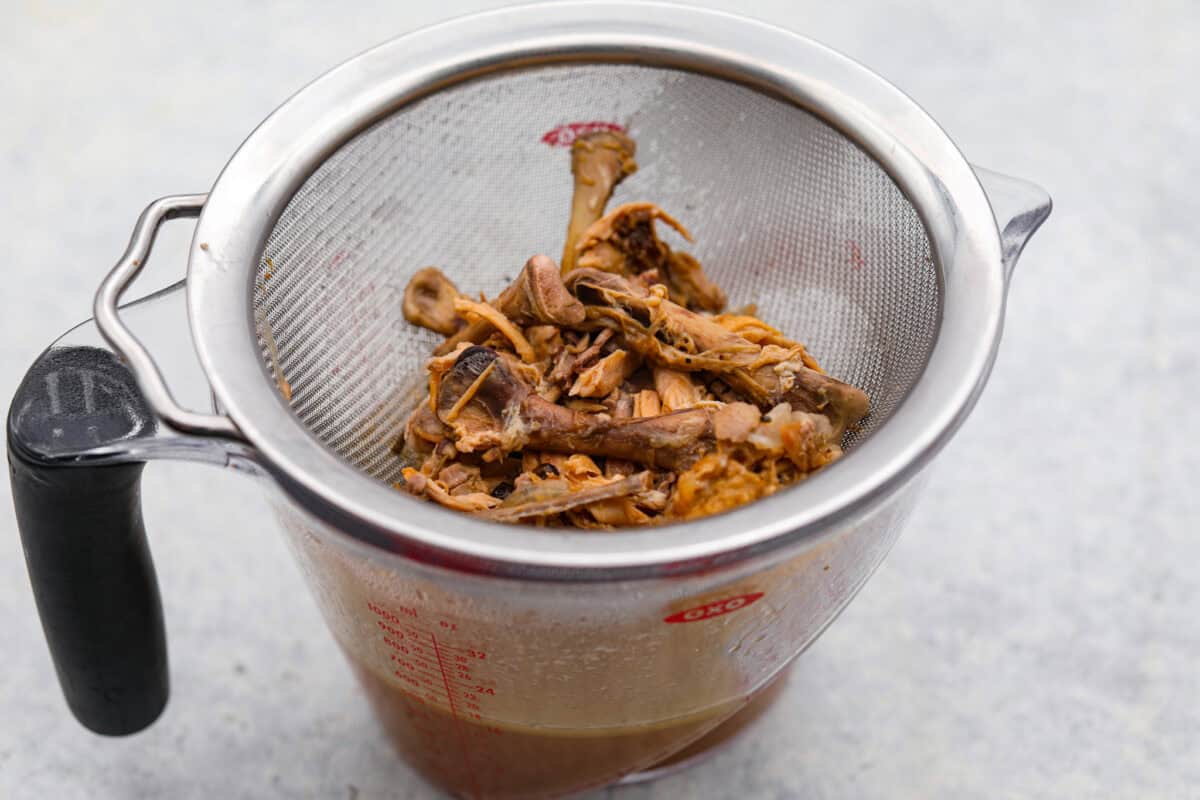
[565,135]
[715,609]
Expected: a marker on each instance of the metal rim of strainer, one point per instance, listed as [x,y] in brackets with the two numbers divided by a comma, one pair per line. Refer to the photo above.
[288,146]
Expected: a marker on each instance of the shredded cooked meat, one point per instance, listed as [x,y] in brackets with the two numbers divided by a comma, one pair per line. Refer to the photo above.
[603,377]
[675,389]
[615,390]
[716,483]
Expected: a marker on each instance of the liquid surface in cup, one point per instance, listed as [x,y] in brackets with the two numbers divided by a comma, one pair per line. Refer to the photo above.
[480,758]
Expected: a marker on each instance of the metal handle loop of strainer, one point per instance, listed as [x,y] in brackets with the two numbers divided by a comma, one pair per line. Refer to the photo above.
[123,340]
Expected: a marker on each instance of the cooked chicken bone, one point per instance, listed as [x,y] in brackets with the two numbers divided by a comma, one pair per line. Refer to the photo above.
[429,302]
[599,161]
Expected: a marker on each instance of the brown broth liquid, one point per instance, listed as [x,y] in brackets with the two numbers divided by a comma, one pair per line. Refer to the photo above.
[486,760]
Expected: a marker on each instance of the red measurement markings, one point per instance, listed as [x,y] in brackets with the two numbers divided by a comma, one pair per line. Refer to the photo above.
[432,661]
[462,743]
[436,673]
[388,615]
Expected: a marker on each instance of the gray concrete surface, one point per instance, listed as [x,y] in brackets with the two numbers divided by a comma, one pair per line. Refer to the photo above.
[1034,634]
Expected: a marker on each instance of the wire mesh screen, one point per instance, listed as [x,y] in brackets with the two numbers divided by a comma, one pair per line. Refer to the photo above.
[787,213]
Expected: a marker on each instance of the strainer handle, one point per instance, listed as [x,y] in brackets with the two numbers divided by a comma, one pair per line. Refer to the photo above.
[121,338]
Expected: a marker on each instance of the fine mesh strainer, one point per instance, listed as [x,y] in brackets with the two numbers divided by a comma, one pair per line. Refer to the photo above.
[815,189]
[788,212]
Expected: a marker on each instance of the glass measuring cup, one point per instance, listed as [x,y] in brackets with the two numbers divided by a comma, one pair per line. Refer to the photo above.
[512,689]
[510,661]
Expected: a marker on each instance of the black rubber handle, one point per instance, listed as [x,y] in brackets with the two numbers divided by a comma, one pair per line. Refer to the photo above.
[84,539]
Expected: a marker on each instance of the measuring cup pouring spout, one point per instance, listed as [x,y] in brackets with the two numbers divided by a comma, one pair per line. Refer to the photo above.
[1020,208]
